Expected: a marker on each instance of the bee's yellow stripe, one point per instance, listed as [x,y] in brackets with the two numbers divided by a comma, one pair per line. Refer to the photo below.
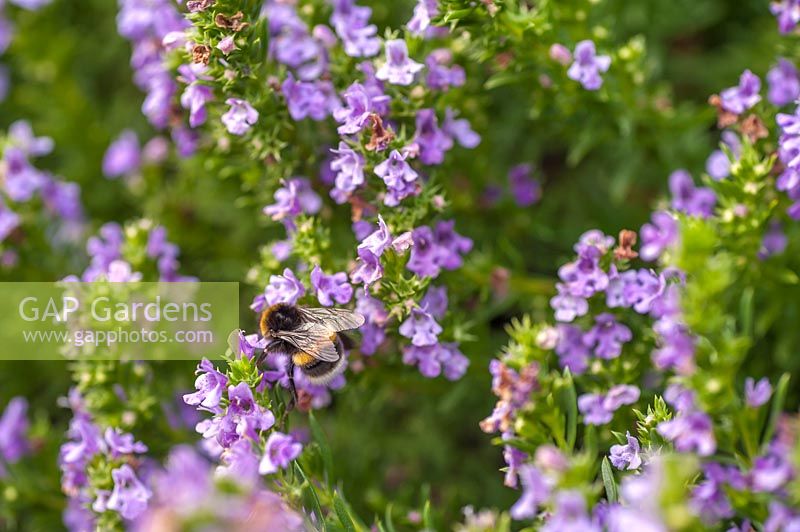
[302,359]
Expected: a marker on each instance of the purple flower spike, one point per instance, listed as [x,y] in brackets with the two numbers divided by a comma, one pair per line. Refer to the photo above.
[421,328]
[240,117]
[587,66]
[398,69]
[399,177]
[607,336]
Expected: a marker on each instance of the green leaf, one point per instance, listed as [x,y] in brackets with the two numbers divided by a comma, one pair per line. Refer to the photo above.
[778,400]
[612,494]
[343,513]
[427,519]
[324,449]
[746,311]
[388,518]
[568,402]
[314,498]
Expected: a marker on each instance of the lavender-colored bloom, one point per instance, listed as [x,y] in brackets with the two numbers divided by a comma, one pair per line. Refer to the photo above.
[121,443]
[129,497]
[626,456]
[226,45]
[782,518]
[587,66]
[739,99]
[572,352]
[195,95]
[771,472]
[14,424]
[330,288]
[788,14]
[690,432]
[440,76]
[280,450]
[560,54]
[658,235]
[583,277]
[355,114]
[351,23]
[607,336]
[284,288]
[598,409]
[398,69]
[717,165]
[349,166]
[536,489]
[680,398]
[757,393]
[31,5]
[434,302]
[432,141]
[239,463]
[20,134]
[9,220]
[379,240]
[567,307]
[62,199]
[313,99]
[21,179]
[689,199]
[459,129]
[708,498]
[421,328]
[399,177]
[525,189]
[451,245]
[784,83]
[295,197]
[122,156]
[639,289]
[774,241]
[424,259]
[570,514]
[369,268]
[240,117]
[514,459]
[210,384]
[424,10]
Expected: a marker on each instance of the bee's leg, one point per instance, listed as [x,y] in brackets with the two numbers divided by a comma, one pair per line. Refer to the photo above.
[292,390]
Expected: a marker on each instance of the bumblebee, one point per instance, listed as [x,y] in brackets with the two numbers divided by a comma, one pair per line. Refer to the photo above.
[311,339]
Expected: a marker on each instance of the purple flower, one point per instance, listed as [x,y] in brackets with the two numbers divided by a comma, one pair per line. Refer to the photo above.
[424,10]
[572,352]
[741,98]
[440,76]
[689,199]
[787,13]
[757,393]
[782,518]
[226,45]
[85,441]
[524,188]
[708,498]
[239,463]
[280,450]
[210,384]
[459,129]
[560,54]
[784,83]
[129,496]
[368,270]
[658,235]
[771,472]
[774,241]
[357,109]
[379,240]
[121,443]
[284,288]
[587,66]
[399,177]
[9,220]
[20,134]
[14,424]
[240,117]
[349,168]
[315,100]
[451,245]
[432,141]
[351,23]
[62,199]
[398,69]
[690,432]
[598,409]
[607,336]
[421,328]
[31,5]
[567,307]
[536,489]
[435,301]
[330,288]
[122,156]
[436,250]
[295,197]
[570,514]
[626,456]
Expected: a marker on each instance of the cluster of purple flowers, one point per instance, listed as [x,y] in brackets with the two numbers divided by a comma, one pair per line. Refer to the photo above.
[22,182]
[107,261]
[14,442]
[789,154]
[744,96]
[87,444]
[186,490]
[689,199]
[239,421]
[788,14]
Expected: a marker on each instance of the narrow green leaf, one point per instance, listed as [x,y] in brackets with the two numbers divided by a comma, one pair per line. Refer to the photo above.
[317,508]
[343,513]
[427,519]
[319,436]
[746,311]
[778,400]
[388,519]
[612,494]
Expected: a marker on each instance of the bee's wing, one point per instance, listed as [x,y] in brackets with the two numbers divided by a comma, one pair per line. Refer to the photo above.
[313,338]
[336,319]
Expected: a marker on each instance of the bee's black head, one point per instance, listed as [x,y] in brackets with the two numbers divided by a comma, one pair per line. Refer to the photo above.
[282,317]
